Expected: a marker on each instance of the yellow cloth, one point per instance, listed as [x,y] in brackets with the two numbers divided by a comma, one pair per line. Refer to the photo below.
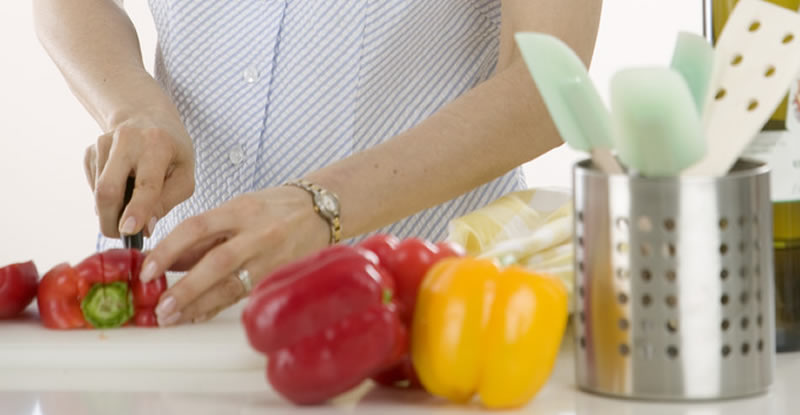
[531,228]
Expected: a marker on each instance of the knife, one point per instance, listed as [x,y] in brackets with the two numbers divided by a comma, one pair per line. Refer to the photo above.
[131,241]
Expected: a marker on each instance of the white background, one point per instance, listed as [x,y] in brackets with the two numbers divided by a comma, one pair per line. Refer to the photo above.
[46,211]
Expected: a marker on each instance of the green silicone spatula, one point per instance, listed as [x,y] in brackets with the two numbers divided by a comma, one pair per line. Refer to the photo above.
[693,58]
[571,98]
[656,125]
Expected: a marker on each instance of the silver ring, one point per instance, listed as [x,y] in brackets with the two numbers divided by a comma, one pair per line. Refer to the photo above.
[244,276]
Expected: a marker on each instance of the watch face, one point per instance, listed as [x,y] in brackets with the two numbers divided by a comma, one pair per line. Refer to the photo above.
[328,204]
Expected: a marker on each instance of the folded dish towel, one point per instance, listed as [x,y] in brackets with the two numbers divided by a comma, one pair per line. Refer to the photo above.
[531,228]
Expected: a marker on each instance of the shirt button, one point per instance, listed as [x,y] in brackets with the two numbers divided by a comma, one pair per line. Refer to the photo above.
[250,75]
[236,155]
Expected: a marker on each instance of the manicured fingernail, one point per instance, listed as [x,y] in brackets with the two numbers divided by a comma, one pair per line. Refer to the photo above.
[166,307]
[128,226]
[151,226]
[148,272]
[170,320]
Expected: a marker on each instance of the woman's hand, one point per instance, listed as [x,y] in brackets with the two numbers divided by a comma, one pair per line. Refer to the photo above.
[145,136]
[255,232]
[157,150]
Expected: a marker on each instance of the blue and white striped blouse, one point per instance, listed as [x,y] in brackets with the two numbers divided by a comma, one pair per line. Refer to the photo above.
[272,89]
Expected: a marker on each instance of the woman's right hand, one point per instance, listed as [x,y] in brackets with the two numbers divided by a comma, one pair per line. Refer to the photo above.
[144,134]
[157,151]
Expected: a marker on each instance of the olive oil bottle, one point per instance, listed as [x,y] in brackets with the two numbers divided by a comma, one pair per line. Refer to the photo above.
[779,146]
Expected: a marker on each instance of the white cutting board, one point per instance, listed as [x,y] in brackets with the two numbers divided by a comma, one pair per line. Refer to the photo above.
[219,344]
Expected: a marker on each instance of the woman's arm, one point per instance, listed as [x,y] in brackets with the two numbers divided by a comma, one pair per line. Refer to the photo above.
[95,46]
[493,128]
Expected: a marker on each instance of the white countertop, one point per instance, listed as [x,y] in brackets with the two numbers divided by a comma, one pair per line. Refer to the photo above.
[93,392]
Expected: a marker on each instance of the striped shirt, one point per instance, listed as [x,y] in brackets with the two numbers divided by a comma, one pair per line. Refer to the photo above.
[270,90]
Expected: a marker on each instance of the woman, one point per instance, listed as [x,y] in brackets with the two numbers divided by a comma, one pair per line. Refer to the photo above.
[397,115]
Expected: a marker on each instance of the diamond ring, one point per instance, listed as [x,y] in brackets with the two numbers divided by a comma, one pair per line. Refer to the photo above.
[244,276]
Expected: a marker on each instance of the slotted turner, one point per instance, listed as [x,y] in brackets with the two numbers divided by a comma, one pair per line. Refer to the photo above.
[756,58]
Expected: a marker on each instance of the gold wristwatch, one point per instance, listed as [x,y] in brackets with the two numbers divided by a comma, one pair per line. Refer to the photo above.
[326,204]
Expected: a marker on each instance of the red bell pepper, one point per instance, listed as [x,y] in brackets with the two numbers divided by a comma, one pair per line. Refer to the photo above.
[407,262]
[326,323]
[18,283]
[103,291]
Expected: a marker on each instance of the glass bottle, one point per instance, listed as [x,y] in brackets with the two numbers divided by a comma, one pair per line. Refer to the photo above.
[779,146]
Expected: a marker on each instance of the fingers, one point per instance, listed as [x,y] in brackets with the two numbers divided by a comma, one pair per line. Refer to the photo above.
[110,187]
[190,258]
[197,231]
[179,185]
[102,149]
[221,295]
[94,159]
[186,297]
[226,291]
[222,260]
[256,232]
[160,185]
[90,165]
[145,205]
[158,152]
[162,182]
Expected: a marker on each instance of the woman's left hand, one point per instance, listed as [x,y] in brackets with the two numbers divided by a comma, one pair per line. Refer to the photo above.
[253,233]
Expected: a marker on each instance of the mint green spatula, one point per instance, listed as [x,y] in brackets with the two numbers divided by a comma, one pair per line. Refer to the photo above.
[571,98]
[656,125]
[693,58]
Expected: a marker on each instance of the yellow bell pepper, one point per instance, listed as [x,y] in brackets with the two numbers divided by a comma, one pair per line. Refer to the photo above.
[481,329]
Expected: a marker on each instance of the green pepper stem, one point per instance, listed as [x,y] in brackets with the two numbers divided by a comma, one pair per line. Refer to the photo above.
[108,305]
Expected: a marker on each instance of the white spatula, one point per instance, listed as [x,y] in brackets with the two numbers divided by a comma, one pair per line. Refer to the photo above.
[756,58]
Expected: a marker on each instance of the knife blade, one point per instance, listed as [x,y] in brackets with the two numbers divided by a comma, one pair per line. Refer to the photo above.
[135,241]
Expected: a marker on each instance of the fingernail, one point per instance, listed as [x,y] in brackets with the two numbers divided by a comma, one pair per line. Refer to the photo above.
[151,226]
[128,226]
[201,319]
[166,307]
[148,272]
[170,320]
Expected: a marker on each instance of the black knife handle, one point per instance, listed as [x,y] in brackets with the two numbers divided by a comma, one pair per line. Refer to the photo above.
[131,241]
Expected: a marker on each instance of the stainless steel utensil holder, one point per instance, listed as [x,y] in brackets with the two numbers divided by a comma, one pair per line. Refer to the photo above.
[674,281]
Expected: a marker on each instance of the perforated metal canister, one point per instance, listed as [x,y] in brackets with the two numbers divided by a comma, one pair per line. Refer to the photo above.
[674,284]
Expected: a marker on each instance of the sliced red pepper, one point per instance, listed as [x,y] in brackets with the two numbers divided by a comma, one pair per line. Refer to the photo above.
[145,296]
[326,323]
[103,291]
[108,302]
[407,261]
[58,296]
[18,283]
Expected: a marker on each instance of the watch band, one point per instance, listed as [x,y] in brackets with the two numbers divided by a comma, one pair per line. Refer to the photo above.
[326,204]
